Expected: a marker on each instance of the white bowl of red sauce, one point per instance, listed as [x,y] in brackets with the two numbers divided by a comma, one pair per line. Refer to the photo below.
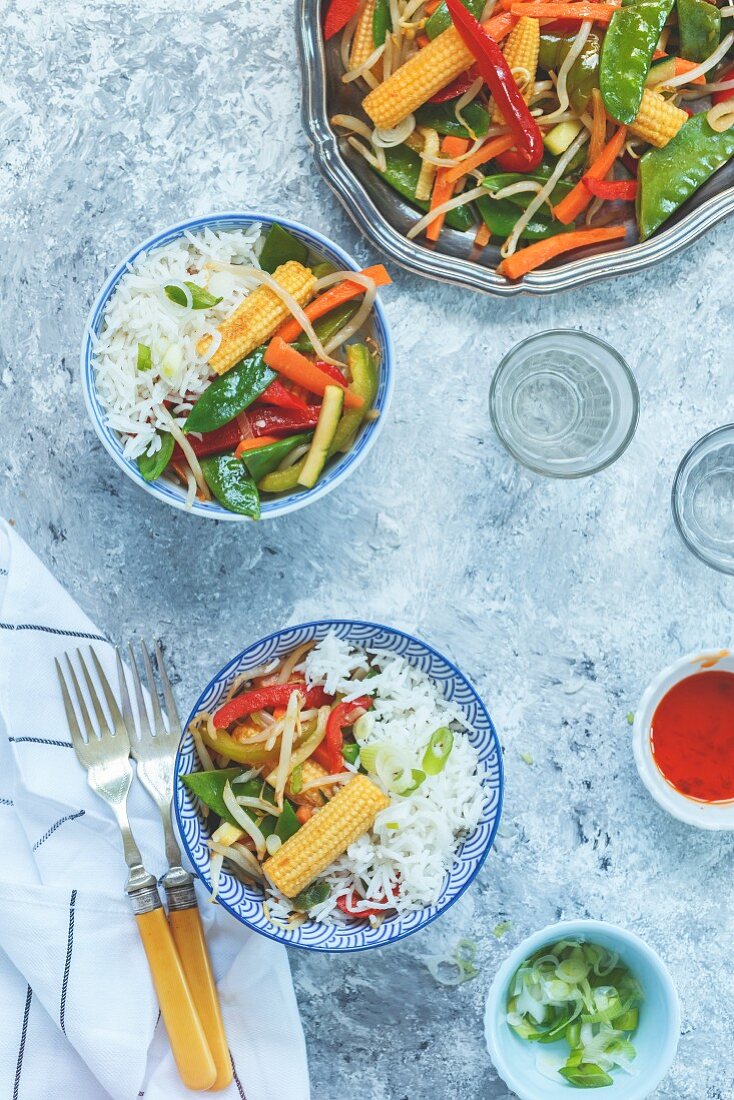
[684,739]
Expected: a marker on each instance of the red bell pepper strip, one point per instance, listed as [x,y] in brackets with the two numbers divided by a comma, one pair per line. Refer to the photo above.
[721,97]
[329,752]
[624,190]
[493,66]
[346,903]
[225,438]
[457,87]
[280,395]
[270,421]
[338,15]
[332,371]
[267,698]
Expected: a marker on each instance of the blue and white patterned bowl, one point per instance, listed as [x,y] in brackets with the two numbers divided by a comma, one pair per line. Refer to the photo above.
[245,902]
[166,490]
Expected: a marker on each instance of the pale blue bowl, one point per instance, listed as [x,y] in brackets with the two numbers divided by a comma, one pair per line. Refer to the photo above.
[246,902]
[169,491]
[656,1039]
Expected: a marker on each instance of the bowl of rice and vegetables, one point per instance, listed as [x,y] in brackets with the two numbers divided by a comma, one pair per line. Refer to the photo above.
[236,366]
[340,785]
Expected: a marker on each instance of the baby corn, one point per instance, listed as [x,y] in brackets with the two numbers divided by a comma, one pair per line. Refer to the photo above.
[363,43]
[258,317]
[657,120]
[521,53]
[325,836]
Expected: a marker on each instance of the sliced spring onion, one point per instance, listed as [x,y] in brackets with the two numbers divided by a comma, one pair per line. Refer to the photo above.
[457,968]
[297,779]
[438,750]
[581,993]
[145,357]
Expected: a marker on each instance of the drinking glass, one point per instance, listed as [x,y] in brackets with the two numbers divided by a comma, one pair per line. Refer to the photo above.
[703,499]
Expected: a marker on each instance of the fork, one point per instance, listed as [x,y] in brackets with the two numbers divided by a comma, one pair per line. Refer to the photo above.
[154,751]
[105,754]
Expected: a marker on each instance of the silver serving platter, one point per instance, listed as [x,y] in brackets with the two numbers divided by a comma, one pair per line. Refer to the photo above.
[384,217]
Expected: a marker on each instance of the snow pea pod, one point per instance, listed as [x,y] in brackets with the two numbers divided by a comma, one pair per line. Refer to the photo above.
[628,47]
[151,467]
[230,394]
[231,484]
[669,176]
[584,74]
[500,216]
[522,198]
[380,21]
[209,789]
[699,26]
[262,460]
[403,169]
[279,247]
[440,21]
[442,118]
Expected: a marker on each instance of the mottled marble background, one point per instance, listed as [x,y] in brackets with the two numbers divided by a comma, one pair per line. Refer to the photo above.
[559,599]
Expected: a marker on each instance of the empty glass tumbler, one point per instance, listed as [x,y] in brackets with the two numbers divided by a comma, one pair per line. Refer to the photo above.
[703,499]
[564,403]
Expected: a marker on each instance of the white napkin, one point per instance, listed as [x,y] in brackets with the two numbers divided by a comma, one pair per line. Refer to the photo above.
[78,1007]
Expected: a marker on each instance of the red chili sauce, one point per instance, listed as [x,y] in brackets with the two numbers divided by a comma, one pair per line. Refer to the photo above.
[692,736]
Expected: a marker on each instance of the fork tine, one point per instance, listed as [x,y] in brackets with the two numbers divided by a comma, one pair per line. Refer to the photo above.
[88,727]
[173,718]
[160,726]
[145,730]
[76,733]
[104,729]
[111,701]
[127,710]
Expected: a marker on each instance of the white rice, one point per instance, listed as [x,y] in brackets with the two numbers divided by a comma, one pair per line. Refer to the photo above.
[139,312]
[418,853]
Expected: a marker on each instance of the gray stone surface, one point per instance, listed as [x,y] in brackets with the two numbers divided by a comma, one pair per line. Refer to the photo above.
[560,600]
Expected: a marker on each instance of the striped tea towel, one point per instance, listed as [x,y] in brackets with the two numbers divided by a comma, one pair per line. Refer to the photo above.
[80,1017]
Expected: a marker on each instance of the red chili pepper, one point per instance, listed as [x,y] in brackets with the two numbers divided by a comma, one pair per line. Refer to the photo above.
[457,87]
[271,421]
[332,371]
[721,97]
[622,190]
[225,438]
[267,698]
[497,74]
[338,15]
[280,395]
[329,752]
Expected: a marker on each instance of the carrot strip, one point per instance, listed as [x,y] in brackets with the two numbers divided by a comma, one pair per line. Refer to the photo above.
[597,13]
[490,149]
[577,200]
[499,26]
[684,66]
[519,264]
[284,359]
[331,298]
[443,188]
[256,441]
[482,236]
[598,137]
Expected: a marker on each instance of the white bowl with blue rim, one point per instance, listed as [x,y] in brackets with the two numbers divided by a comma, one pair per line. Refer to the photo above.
[656,1038]
[167,490]
[246,902]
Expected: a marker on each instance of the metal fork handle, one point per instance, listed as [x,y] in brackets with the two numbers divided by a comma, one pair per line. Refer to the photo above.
[188,935]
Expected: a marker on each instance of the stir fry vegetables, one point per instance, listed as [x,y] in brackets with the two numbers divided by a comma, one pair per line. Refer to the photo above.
[583,994]
[312,767]
[244,377]
[463,94]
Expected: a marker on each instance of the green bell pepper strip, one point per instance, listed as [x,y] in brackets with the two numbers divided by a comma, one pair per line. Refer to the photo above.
[365,381]
[626,54]
[441,117]
[350,752]
[584,74]
[151,467]
[440,21]
[279,247]
[403,169]
[328,325]
[699,28]
[200,297]
[380,22]
[500,216]
[209,789]
[231,485]
[668,176]
[263,460]
[312,895]
[230,394]
[288,823]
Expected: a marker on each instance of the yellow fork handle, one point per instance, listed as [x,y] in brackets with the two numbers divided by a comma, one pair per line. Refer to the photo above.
[188,935]
[185,1032]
